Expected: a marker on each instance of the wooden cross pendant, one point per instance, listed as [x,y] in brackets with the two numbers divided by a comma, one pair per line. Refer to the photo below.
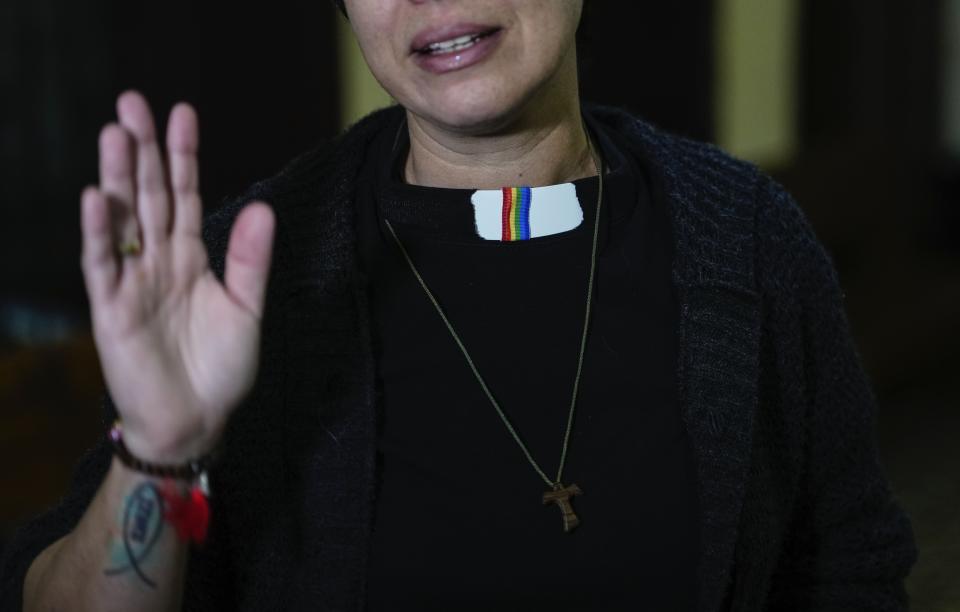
[561,496]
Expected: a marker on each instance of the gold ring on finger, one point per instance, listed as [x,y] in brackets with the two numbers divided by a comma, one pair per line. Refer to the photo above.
[130,247]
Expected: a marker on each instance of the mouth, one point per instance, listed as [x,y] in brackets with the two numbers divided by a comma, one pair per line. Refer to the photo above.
[442,43]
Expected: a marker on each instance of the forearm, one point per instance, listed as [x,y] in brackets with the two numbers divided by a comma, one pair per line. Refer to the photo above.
[122,555]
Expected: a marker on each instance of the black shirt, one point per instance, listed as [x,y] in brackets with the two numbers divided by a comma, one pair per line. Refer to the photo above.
[460,522]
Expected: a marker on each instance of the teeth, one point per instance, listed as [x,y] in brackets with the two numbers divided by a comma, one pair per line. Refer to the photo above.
[455,44]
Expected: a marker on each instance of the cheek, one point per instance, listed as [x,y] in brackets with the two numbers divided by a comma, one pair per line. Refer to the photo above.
[380,58]
[372,24]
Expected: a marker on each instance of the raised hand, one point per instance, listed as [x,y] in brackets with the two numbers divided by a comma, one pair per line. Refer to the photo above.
[179,349]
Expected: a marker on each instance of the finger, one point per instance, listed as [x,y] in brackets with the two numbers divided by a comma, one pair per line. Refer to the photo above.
[153,206]
[248,256]
[182,145]
[98,258]
[117,182]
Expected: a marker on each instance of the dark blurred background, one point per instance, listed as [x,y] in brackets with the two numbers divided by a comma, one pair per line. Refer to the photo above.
[854,105]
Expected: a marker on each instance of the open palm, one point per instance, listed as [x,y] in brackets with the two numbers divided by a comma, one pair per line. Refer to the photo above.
[179,349]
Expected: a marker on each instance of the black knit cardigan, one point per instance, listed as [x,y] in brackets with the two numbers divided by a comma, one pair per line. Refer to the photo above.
[796,512]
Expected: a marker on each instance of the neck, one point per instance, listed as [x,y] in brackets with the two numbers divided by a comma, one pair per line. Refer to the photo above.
[544,145]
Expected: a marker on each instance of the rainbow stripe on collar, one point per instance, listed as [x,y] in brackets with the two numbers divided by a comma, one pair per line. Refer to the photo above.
[516,213]
[510,214]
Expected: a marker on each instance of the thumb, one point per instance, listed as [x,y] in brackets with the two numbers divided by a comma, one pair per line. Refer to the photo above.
[248,256]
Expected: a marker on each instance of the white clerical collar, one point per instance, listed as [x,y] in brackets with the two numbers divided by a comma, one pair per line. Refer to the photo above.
[521,213]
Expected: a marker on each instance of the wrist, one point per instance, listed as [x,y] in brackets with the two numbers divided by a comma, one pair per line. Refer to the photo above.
[183,504]
[165,449]
[187,510]
[181,464]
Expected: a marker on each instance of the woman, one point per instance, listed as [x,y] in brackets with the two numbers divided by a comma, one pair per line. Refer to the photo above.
[423,408]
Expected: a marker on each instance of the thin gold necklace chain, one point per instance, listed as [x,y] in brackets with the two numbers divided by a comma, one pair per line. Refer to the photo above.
[583,340]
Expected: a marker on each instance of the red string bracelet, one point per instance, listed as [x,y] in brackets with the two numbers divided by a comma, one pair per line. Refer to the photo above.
[188,512]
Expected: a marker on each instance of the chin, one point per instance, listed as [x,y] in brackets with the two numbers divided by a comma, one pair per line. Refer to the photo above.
[471,109]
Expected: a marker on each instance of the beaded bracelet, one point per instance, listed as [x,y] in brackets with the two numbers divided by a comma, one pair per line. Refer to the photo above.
[192,470]
[189,513]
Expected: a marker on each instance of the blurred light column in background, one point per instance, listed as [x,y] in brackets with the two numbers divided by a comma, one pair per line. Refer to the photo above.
[360,93]
[951,76]
[757,69]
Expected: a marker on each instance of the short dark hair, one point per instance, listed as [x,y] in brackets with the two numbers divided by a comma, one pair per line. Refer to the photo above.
[340,6]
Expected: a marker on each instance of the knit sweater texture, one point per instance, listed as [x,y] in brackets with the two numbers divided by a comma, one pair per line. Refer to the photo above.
[796,513]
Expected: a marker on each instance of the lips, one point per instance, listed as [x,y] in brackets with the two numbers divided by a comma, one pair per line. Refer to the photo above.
[455,47]
[450,38]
